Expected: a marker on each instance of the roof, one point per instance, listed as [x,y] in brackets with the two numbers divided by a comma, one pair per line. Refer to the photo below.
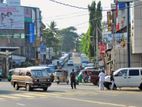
[9,49]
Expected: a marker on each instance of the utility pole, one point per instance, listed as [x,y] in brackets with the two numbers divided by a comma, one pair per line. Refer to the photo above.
[128,35]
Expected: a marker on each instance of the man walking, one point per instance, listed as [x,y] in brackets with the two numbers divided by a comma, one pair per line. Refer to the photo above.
[73,79]
[101,80]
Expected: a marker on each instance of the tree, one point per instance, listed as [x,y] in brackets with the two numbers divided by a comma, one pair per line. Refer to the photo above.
[69,39]
[51,36]
[93,35]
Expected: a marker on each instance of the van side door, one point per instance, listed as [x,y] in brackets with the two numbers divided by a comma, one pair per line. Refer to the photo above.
[134,77]
[121,78]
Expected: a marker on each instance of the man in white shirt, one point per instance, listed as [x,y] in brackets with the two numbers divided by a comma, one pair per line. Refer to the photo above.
[101,80]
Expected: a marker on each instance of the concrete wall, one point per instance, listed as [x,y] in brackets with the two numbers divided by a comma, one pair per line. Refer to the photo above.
[136,34]
[119,57]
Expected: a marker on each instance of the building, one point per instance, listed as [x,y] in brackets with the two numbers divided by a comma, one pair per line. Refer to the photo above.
[117,56]
[20,26]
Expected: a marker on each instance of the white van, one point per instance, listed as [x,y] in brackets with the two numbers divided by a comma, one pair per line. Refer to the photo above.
[128,77]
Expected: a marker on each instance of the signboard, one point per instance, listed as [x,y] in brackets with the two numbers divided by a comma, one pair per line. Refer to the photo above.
[102,48]
[13,2]
[42,48]
[11,17]
[31,33]
[125,0]
[28,14]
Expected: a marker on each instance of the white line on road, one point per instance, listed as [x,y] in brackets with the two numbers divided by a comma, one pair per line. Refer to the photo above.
[96,102]
[20,104]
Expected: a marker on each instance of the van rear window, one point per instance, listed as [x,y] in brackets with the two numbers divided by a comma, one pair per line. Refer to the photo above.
[134,72]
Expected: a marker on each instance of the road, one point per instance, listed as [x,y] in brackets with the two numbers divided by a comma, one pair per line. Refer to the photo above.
[86,95]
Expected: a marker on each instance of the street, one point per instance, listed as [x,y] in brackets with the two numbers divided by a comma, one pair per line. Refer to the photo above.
[61,95]
[86,95]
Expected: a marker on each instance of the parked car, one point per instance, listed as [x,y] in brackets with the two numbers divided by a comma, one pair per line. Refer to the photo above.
[88,75]
[128,77]
[30,78]
[52,68]
[108,83]
[70,63]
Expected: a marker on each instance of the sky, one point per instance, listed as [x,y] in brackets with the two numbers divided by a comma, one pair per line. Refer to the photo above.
[65,16]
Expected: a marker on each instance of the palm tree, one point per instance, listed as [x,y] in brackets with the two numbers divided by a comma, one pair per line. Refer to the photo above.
[50,36]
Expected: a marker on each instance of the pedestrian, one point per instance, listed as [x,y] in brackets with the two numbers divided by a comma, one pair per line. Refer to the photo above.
[73,79]
[52,77]
[101,80]
[112,81]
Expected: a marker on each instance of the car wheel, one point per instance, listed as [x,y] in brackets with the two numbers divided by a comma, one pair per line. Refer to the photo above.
[45,89]
[140,87]
[58,82]
[67,82]
[28,87]
[16,86]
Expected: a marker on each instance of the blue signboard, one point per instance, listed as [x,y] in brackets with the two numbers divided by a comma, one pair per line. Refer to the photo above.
[42,48]
[31,33]
[122,6]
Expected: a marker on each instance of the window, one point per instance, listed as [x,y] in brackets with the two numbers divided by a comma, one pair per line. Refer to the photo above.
[37,73]
[141,72]
[122,73]
[28,74]
[133,72]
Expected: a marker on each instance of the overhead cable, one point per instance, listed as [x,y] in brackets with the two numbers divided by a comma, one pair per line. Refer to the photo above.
[69,5]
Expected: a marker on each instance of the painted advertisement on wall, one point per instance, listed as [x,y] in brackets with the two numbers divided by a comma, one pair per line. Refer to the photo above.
[11,17]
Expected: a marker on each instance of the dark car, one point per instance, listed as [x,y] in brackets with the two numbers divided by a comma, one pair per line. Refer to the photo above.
[88,75]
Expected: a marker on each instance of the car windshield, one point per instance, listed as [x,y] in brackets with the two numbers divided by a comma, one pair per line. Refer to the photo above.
[40,73]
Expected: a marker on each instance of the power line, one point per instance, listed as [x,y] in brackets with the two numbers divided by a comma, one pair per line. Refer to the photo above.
[85,8]
[61,18]
[69,5]
[62,15]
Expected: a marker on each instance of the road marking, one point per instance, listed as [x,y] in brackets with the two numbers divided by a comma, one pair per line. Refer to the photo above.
[2,99]
[8,96]
[20,104]
[19,95]
[37,94]
[96,102]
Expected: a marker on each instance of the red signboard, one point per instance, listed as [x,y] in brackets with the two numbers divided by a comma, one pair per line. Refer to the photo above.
[102,47]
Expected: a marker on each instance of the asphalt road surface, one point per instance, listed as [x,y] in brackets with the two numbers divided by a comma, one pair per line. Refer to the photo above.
[61,95]
[86,95]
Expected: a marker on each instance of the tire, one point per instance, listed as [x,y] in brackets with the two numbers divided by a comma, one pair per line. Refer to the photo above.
[67,82]
[58,82]
[140,87]
[45,89]
[28,87]
[16,86]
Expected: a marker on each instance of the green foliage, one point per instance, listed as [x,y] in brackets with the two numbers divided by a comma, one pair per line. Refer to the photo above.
[95,18]
[69,39]
[51,36]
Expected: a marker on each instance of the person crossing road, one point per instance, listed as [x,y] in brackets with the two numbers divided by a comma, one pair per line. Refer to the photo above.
[73,79]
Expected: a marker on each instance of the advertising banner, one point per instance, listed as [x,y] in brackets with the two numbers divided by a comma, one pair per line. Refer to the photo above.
[102,47]
[11,17]
[31,33]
